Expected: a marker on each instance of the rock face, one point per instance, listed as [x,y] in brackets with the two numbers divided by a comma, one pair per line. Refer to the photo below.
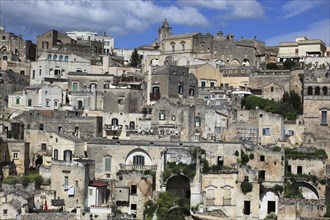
[12,82]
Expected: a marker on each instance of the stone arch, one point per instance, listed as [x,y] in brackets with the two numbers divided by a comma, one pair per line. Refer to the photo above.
[308,188]
[3,49]
[130,157]
[179,185]
[235,62]
[317,90]
[310,90]
[39,161]
[269,203]
[246,62]
[154,62]
[325,90]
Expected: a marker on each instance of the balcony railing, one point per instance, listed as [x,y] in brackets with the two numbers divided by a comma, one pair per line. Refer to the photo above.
[138,167]
[154,96]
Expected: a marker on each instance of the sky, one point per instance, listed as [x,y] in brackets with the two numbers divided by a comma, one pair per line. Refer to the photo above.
[133,23]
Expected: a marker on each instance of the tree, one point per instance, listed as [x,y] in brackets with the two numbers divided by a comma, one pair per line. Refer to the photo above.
[135,60]
[271,66]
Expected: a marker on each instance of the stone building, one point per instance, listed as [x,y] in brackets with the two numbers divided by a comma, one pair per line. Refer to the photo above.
[15,52]
[130,161]
[54,66]
[169,82]
[53,40]
[299,49]
[187,48]
[43,97]
[316,104]
[72,183]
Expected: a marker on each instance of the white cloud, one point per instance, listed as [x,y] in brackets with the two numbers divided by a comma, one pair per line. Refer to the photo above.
[296,7]
[317,30]
[230,9]
[115,17]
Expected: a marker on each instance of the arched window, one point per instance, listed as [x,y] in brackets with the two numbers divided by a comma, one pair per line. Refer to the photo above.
[114,122]
[310,90]
[173,46]
[44,45]
[317,90]
[55,154]
[66,58]
[67,155]
[180,88]
[132,125]
[325,90]
[55,57]
[80,104]
[4,58]
[61,58]
[191,92]
[49,57]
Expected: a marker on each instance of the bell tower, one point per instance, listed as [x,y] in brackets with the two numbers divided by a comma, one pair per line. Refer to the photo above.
[164,31]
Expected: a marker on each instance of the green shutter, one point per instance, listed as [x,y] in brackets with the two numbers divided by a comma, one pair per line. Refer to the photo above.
[107,162]
[75,87]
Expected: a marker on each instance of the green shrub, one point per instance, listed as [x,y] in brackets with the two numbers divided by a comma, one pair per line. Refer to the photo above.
[12,180]
[246,187]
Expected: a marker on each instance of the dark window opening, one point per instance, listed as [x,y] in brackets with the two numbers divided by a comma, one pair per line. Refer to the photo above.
[247,208]
[317,90]
[133,206]
[220,161]
[299,169]
[271,207]
[309,90]
[289,169]
[138,160]
[41,127]
[261,175]
[262,158]
[133,189]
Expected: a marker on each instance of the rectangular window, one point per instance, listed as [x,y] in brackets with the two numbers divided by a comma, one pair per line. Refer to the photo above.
[39,72]
[120,101]
[75,87]
[262,158]
[33,74]
[261,175]
[41,127]
[162,115]
[107,164]
[133,189]
[290,132]
[197,121]
[289,169]
[133,206]
[299,169]
[138,160]
[17,101]
[203,83]
[66,180]
[266,131]
[272,89]
[90,192]
[247,208]
[324,118]
[212,84]
[43,147]
[5,212]
[271,207]
[15,155]
[30,102]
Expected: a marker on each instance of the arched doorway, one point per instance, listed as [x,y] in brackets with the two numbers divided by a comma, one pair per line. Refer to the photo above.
[39,161]
[179,185]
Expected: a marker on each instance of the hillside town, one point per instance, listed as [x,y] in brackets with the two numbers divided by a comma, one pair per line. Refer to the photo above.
[191,126]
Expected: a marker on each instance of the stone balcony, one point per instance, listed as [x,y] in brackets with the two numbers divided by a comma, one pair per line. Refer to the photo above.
[138,167]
